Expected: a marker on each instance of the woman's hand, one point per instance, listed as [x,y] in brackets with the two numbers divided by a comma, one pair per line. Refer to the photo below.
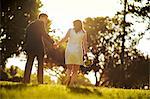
[56,45]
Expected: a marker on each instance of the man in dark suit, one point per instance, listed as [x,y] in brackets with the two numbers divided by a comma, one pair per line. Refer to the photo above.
[35,35]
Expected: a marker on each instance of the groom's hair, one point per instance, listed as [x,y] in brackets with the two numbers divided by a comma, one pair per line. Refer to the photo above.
[43,15]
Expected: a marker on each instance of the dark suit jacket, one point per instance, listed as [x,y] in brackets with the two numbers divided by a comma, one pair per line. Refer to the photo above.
[38,41]
[35,32]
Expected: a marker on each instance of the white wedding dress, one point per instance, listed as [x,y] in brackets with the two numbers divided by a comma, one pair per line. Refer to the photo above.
[74,50]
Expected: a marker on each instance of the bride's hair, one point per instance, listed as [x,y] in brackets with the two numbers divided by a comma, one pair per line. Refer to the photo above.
[78,25]
[43,15]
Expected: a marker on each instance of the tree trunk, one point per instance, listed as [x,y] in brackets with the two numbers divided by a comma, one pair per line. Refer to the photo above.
[97,82]
[149,74]
[124,33]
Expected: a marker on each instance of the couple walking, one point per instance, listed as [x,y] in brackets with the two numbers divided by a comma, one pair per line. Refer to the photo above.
[75,50]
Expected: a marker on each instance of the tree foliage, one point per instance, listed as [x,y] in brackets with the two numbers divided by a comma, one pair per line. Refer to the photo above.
[15,15]
[105,43]
[104,39]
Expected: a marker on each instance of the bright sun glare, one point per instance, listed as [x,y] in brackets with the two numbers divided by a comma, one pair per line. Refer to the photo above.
[63,12]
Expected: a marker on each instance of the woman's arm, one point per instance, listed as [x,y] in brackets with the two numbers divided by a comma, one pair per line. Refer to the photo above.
[64,39]
[85,48]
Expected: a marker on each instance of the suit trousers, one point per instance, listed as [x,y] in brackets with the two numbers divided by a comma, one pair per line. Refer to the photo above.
[28,67]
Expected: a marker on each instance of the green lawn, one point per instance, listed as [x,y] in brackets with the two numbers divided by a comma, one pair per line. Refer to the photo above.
[10,90]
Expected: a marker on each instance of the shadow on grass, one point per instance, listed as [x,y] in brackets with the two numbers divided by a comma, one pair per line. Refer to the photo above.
[86,91]
[17,86]
[97,92]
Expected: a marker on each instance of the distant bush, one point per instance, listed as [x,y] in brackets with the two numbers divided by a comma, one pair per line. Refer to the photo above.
[3,75]
[10,74]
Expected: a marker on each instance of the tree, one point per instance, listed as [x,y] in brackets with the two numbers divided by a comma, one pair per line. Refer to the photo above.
[136,9]
[139,10]
[15,15]
[105,44]
[103,39]
[124,32]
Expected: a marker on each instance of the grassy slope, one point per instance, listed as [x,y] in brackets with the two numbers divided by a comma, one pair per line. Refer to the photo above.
[20,91]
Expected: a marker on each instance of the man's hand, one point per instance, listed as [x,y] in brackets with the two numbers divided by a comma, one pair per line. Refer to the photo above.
[55,45]
[84,52]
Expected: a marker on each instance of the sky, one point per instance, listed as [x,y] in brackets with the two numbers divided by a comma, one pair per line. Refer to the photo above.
[63,12]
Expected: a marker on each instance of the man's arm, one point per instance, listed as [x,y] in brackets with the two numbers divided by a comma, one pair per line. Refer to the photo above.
[45,34]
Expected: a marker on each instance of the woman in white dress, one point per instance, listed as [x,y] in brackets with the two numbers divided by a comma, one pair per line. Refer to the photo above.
[76,49]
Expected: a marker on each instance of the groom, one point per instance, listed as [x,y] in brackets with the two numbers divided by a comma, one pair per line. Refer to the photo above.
[35,35]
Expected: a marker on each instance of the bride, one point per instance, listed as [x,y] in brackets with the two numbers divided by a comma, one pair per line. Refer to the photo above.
[76,48]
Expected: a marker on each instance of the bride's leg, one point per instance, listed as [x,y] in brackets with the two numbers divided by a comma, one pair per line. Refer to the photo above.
[68,73]
[75,70]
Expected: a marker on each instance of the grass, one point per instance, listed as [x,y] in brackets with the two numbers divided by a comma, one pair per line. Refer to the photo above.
[9,90]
